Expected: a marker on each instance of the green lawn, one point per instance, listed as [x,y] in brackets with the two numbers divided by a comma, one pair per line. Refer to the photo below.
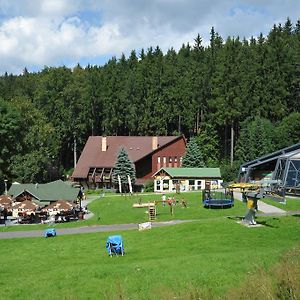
[211,255]
[291,204]
[116,209]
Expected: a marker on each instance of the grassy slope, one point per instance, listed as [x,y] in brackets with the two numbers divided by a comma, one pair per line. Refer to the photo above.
[114,209]
[292,204]
[159,264]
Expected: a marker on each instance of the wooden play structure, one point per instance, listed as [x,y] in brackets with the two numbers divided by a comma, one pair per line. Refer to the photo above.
[152,212]
[151,209]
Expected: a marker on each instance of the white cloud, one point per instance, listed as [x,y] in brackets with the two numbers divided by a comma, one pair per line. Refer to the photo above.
[34,33]
[44,8]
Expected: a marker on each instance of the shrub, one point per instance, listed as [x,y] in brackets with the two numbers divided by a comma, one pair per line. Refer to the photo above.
[149,186]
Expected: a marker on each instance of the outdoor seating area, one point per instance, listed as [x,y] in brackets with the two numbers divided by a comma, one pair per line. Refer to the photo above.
[29,212]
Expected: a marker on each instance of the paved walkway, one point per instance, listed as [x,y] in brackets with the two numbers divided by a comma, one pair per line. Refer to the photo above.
[86,229]
[266,209]
[263,207]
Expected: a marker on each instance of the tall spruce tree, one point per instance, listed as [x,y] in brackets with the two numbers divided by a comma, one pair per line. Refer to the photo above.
[256,139]
[208,141]
[193,157]
[124,167]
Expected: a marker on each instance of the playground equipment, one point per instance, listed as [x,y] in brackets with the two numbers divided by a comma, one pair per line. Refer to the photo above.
[254,191]
[217,199]
[152,212]
[151,209]
[50,232]
[114,245]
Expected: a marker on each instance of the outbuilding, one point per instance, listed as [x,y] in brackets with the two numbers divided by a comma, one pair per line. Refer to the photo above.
[186,179]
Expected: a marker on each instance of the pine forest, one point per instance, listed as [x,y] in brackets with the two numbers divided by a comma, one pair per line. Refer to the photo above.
[237,98]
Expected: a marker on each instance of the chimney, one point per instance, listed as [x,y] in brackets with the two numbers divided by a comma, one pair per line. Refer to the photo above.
[154,143]
[104,143]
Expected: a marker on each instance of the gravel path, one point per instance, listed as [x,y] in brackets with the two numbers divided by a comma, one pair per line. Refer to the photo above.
[86,229]
[263,207]
[266,209]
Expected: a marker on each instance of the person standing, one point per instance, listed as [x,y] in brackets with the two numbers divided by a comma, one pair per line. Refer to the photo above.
[5,215]
[164,199]
[170,203]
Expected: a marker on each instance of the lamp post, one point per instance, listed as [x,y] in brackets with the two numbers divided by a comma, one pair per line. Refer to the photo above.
[5,186]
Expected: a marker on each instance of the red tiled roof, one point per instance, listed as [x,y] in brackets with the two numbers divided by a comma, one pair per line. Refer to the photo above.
[137,147]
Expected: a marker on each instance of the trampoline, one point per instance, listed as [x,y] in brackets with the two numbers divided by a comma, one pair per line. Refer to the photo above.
[217,199]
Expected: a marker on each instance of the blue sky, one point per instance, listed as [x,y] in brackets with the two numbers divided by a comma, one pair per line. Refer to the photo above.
[38,33]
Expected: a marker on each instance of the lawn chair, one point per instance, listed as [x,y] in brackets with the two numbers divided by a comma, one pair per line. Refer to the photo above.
[50,232]
[114,245]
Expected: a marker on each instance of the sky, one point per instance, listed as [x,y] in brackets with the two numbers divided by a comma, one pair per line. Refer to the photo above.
[39,33]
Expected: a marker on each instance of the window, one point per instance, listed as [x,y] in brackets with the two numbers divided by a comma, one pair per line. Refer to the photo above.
[158,187]
[165,185]
[180,161]
[199,184]
[158,159]
[164,161]
[191,184]
[293,174]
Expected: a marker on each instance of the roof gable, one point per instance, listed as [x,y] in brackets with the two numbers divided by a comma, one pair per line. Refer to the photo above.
[191,172]
[51,191]
[273,156]
[137,147]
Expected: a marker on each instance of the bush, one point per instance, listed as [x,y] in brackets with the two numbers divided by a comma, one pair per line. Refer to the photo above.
[149,186]
[228,172]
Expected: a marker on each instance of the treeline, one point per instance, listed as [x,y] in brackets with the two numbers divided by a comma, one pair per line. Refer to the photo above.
[247,91]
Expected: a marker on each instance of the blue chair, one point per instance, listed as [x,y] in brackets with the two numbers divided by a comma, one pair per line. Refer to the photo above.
[114,245]
[50,232]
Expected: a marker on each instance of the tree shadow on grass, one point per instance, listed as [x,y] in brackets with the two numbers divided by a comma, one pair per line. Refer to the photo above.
[263,223]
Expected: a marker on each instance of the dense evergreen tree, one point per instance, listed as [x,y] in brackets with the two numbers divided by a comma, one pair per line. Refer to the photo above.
[207,92]
[193,157]
[256,139]
[209,144]
[124,167]
[288,131]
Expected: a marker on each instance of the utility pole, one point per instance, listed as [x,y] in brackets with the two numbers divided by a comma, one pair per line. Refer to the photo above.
[231,148]
[197,122]
[5,186]
[75,151]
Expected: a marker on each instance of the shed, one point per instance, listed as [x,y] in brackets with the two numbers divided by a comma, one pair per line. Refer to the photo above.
[186,179]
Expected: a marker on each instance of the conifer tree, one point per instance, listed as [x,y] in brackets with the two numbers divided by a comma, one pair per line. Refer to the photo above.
[193,157]
[209,143]
[123,167]
[256,139]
